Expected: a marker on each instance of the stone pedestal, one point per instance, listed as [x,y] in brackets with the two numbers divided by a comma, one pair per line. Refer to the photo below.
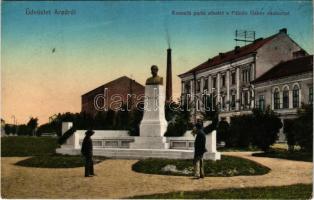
[153,125]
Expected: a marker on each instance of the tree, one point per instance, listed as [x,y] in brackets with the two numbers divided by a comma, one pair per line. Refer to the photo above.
[122,119]
[241,131]
[223,132]
[266,128]
[303,128]
[45,128]
[32,125]
[178,120]
[290,133]
[136,116]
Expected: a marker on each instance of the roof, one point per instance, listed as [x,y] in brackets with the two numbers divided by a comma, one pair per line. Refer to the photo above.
[113,81]
[288,68]
[231,55]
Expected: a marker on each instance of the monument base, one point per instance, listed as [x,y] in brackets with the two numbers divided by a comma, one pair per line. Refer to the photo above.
[149,143]
[142,153]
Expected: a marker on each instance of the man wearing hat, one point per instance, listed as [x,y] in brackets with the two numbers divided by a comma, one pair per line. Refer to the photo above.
[87,152]
[199,149]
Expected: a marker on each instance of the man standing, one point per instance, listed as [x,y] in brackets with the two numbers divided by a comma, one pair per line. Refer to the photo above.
[199,149]
[87,152]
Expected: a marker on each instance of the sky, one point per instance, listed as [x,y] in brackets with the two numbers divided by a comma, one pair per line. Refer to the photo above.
[104,40]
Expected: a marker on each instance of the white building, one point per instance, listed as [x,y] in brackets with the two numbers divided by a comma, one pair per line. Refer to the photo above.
[227,76]
[286,87]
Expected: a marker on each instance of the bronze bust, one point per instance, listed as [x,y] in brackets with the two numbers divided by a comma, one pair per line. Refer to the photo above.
[155,79]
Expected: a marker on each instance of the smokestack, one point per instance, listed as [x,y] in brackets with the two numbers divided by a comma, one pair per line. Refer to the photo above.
[169,77]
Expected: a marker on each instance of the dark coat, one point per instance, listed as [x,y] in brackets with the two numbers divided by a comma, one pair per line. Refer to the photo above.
[87,147]
[200,143]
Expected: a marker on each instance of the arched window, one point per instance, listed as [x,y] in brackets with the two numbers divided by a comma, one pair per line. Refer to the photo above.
[276,99]
[261,102]
[295,96]
[285,98]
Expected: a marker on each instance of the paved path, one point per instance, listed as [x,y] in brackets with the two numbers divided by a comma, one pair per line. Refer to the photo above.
[116,179]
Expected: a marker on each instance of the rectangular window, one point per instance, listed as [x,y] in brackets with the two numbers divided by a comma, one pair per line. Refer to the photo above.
[214,82]
[187,87]
[311,95]
[198,85]
[233,101]
[233,77]
[223,80]
[205,84]
[248,72]
[246,98]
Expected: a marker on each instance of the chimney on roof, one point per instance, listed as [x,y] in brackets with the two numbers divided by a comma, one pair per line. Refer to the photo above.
[169,77]
[283,30]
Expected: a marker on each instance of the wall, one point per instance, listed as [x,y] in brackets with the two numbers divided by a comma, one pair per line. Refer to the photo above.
[279,49]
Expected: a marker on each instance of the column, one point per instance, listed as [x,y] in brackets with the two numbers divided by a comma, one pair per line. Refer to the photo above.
[252,98]
[252,71]
[202,85]
[201,95]
[192,92]
[238,88]
[210,84]
[290,99]
[182,87]
[218,88]
[272,100]
[228,89]
[280,99]
[300,96]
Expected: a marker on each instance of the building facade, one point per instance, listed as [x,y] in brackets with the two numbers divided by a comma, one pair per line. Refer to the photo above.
[285,87]
[112,95]
[227,77]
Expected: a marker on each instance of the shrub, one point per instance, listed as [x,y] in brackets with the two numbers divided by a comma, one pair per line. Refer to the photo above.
[303,128]
[178,119]
[290,134]
[223,132]
[266,126]
[241,128]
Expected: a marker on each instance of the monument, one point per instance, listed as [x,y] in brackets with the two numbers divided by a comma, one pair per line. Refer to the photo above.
[153,125]
[151,142]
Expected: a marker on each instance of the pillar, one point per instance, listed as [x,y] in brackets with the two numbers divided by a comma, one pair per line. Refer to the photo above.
[238,88]
[218,88]
[228,89]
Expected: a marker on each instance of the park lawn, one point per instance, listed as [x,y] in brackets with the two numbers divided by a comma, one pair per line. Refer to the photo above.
[227,166]
[56,161]
[285,154]
[298,191]
[22,146]
[41,151]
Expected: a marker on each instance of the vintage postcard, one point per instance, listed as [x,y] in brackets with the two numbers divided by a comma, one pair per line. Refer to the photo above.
[156,99]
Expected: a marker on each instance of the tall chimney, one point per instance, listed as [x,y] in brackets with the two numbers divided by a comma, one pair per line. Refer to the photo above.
[169,77]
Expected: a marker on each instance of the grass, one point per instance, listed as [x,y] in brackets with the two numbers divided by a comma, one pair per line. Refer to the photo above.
[21,146]
[285,154]
[298,191]
[56,161]
[227,166]
[42,150]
